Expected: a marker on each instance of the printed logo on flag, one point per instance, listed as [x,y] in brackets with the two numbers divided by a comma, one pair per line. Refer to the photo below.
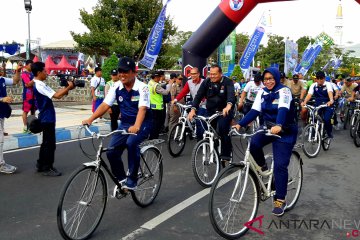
[236,5]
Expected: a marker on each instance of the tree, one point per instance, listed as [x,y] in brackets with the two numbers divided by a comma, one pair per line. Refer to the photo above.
[273,53]
[120,26]
[109,64]
[237,72]
[242,40]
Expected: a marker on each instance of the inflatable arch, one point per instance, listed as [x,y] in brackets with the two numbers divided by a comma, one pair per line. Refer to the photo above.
[222,21]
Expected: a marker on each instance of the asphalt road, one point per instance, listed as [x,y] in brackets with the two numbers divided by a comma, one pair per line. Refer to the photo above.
[328,207]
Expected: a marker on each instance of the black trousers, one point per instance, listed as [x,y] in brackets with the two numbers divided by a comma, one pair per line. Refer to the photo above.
[157,123]
[48,146]
[114,116]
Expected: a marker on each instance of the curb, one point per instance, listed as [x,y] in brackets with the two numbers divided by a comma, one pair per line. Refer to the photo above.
[24,140]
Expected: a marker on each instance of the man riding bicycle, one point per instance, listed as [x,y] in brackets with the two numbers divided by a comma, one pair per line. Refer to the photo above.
[323,93]
[275,104]
[133,100]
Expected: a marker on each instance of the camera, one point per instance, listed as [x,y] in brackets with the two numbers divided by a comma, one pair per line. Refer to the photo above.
[64,78]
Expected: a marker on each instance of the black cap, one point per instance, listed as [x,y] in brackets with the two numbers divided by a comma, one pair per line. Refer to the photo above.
[295,77]
[155,74]
[349,79]
[234,78]
[258,77]
[97,69]
[127,64]
[320,75]
[173,75]
[282,75]
[114,72]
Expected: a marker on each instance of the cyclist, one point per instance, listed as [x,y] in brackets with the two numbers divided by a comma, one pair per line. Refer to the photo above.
[275,104]
[133,99]
[192,86]
[323,93]
[346,91]
[250,91]
[303,113]
[219,93]
[355,93]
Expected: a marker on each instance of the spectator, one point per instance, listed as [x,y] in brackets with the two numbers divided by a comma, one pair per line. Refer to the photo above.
[97,84]
[28,94]
[175,90]
[43,95]
[114,111]
[5,112]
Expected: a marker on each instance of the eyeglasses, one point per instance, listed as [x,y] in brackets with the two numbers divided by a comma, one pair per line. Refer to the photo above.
[270,79]
[194,73]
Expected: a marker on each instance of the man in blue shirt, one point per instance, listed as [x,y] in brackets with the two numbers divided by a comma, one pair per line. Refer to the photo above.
[133,99]
[43,95]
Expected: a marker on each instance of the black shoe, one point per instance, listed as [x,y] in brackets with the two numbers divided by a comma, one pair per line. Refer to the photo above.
[38,168]
[51,172]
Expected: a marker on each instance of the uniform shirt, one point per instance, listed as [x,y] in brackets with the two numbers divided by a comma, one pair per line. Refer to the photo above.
[268,104]
[252,89]
[349,89]
[99,88]
[296,88]
[237,88]
[43,95]
[3,83]
[129,102]
[26,78]
[321,92]
[192,88]
[109,85]
[218,95]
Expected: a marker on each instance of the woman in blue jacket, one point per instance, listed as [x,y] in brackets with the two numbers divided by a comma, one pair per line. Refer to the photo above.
[275,104]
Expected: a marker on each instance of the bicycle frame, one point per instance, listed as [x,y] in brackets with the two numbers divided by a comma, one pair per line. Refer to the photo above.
[316,120]
[184,121]
[250,164]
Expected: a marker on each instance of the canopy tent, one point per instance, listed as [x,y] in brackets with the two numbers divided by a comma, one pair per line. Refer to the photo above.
[36,59]
[64,65]
[50,65]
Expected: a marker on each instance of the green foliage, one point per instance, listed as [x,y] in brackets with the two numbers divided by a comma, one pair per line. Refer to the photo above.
[242,40]
[273,53]
[109,64]
[237,72]
[120,26]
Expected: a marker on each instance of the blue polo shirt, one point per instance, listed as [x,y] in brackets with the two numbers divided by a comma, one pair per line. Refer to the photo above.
[43,94]
[129,101]
[321,92]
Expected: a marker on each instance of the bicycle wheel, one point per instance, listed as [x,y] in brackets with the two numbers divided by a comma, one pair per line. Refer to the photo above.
[295,179]
[227,209]
[353,121]
[150,177]
[205,171]
[311,147]
[357,133]
[175,145]
[347,119]
[82,203]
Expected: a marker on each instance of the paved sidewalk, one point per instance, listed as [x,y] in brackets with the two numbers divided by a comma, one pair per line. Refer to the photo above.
[68,119]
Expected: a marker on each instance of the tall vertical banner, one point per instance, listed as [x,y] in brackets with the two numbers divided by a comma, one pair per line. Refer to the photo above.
[307,53]
[291,56]
[252,46]
[154,42]
[317,47]
[226,54]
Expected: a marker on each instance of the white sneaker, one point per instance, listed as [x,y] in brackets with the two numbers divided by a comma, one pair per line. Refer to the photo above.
[7,168]
[95,121]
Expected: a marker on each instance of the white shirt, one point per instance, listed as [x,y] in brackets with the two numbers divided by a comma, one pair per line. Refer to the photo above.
[44,89]
[237,87]
[139,86]
[284,100]
[99,88]
[8,81]
[252,89]
[328,86]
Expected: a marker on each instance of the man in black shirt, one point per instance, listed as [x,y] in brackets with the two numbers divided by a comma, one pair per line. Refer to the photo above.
[219,93]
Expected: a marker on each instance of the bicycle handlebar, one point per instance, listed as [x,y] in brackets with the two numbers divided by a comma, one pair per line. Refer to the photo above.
[208,119]
[315,108]
[98,135]
[183,106]
[267,132]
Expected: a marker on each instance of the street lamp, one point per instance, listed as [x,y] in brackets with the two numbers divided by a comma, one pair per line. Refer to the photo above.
[28,8]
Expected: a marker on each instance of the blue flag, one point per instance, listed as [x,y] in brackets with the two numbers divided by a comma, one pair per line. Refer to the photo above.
[154,43]
[10,48]
[251,49]
[317,47]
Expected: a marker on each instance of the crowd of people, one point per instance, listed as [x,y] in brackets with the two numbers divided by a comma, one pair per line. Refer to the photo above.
[148,109]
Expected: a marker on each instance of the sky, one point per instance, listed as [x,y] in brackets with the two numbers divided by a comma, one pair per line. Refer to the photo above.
[52,20]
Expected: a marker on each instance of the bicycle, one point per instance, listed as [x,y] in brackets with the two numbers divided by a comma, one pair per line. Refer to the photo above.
[354,117]
[314,134]
[349,111]
[84,196]
[178,133]
[237,191]
[205,157]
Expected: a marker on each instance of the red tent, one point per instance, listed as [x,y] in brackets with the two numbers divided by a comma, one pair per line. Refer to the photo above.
[50,65]
[36,59]
[65,65]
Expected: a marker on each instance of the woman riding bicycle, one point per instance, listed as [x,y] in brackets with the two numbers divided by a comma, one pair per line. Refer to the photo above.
[275,104]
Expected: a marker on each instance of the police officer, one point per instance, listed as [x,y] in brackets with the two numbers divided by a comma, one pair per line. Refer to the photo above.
[275,104]
[219,93]
[157,102]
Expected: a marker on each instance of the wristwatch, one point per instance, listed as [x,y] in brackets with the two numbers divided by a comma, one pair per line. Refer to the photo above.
[1,99]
